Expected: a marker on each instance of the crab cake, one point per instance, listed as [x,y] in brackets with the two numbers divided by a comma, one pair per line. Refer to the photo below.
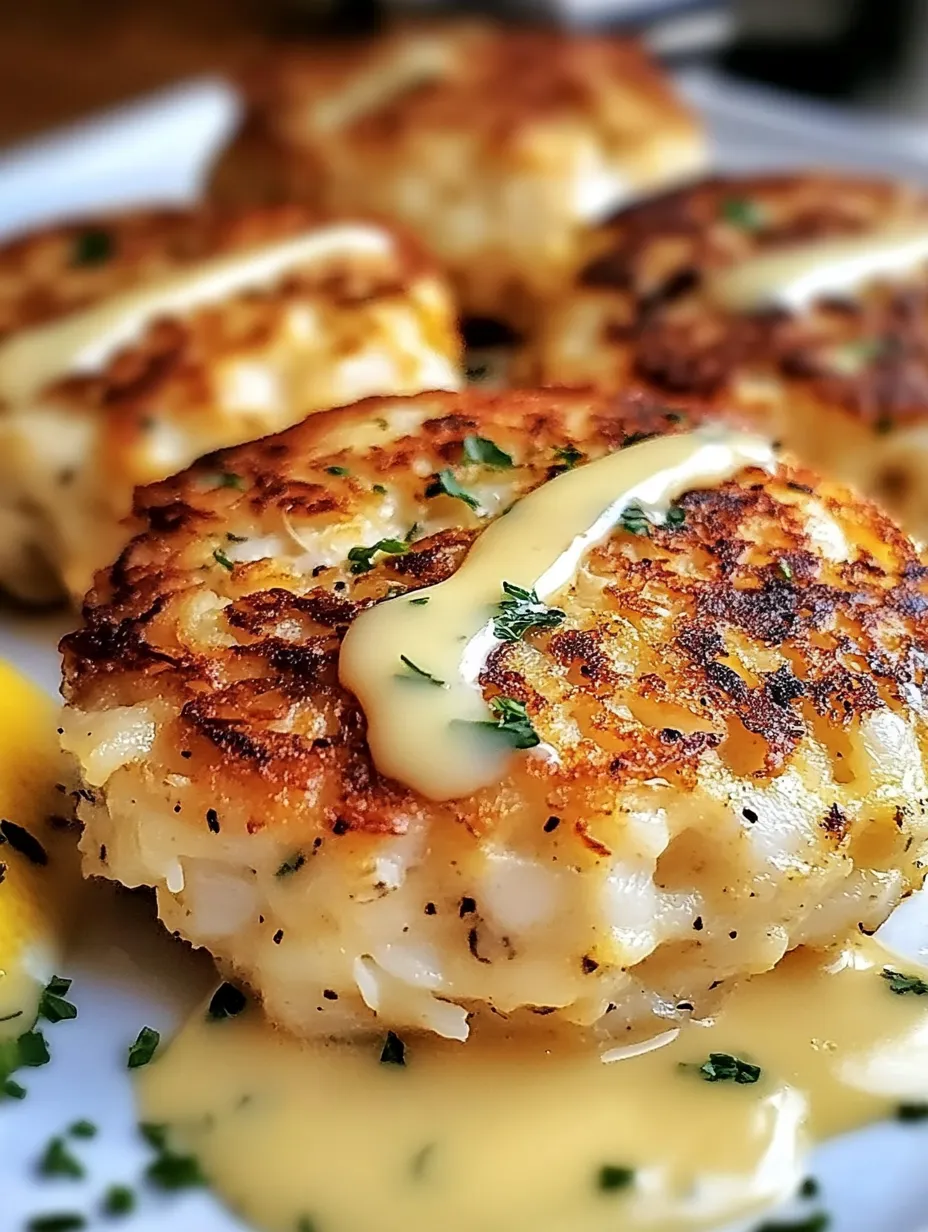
[681,292]
[731,715]
[495,146]
[177,334]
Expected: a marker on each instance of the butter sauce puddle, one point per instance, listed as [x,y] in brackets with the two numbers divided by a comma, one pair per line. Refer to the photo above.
[512,1130]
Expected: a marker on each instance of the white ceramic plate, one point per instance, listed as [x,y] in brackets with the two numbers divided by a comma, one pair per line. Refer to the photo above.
[126,973]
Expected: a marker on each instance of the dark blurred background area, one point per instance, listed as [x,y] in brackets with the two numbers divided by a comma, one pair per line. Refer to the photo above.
[61,59]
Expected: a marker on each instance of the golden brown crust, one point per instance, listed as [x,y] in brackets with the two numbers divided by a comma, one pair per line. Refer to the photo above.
[736,633]
[449,127]
[650,263]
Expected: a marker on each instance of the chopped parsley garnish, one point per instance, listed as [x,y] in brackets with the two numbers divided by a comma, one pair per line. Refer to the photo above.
[446,482]
[743,212]
[911,1113]
[220,558]
[634,519]
[483,452]
[62,1221]
[901,984]
[9,1089]
[33,1050]
[337,470]
[419,673]
[812,1223]
[155,1135]
[809,1188]
[57,1160]
[144,1048]
[92,247]
[293,865]
[118,1200]
[420,602]
[227,1002]
[786,569]
[394,1050]
[53,1005]
[228,479]
[305,1224]
[22,841]
[722,1067]
[83,1129]
[173,1172]
[379,489]
[612,1177]
[362,559]
[512,722]
[521,611]
[568,456]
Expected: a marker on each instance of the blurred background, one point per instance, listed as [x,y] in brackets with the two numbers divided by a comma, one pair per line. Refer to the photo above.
[60,59]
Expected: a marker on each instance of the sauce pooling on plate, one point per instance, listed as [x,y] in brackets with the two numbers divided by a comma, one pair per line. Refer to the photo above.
[530,1129]
[414,663]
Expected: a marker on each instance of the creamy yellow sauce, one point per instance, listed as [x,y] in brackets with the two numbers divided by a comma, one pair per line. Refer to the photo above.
[512,1130]
[793,277]
[84,341]
[36,899]
[422,731]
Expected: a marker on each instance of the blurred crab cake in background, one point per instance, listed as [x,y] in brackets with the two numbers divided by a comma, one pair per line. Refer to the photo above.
[698,746]
[800,299]
[495,146]
[135,345]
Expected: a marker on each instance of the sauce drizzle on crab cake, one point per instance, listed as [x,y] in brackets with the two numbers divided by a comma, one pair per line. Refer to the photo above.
[800,299]
[278,314]
[734,704]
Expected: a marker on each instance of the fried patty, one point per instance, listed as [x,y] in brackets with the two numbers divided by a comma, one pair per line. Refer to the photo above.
[843,382]
[495,146]
[369,314]
[735,702]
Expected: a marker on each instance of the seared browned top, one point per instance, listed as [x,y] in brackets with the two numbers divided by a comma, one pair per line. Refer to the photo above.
[59,269]
[471,76]
[869,355]
[741,632]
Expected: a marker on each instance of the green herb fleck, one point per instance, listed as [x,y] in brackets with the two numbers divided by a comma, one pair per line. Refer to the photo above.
[481,451]
[305,1224]
[62,1221]
[173,1172]
[228,479]
[420,602]
[92,247]
[10,1089]
[362,559]
[612,1177]
[144,1048]
[227,1002]
[155,1135]
[512,722]
[394,1050]
[901,984]
[220,558]
[446,482]
[57,1160]
[337,470]
[743,212]
[379,489]
[83,1129]
[568,456]
[118,1200]
[786,569]
[809,1188]
[722,1067]
[521,611]
[419,673]
[33,1050]
[812,1223]
[52,1004]
[293,865]
[634,520]
[911,1113]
